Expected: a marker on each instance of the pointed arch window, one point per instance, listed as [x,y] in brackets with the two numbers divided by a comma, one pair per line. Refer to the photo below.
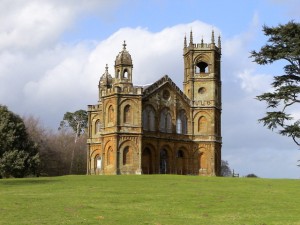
[149,119]
[181,123]
[165,121]
[127,114]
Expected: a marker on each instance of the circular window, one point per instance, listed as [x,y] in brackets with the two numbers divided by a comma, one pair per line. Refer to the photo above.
[202,90]
[166,94]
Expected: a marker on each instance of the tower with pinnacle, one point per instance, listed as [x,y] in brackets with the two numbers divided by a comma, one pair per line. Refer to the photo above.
[202,84]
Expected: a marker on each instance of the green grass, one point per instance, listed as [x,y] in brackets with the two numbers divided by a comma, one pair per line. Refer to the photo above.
[157,199]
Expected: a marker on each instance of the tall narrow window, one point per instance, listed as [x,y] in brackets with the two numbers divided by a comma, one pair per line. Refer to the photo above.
[127,114]
[97,126]
[110,156]
[165,124]
[98,162]
[127,156]
[162,123]
[178,126]
[181,123]
[145,120]
[125,74]
[169,123]
[202,124]
[111,114]
[152,119]
[149,118]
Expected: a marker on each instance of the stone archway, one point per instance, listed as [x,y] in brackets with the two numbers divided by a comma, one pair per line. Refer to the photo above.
[163,162]
[147,161]
[180,162]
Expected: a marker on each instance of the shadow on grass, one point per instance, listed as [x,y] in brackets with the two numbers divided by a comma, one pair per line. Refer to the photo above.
[26,181]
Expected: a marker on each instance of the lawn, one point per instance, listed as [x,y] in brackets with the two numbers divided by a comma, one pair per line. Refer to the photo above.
[149,199]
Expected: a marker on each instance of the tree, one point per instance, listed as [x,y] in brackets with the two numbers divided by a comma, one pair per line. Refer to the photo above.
[55,148]
[225,169]
[18,154]
[77,121]
[283,45]
[252,175]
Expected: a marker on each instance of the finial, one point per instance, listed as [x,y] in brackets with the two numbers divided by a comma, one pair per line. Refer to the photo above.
[191,37]
[124,45]
[106,68]
[184,43]
[202,41]
[212,37]
[219,42]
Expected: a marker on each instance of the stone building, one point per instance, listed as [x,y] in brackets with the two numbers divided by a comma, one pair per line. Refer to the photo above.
[159,129]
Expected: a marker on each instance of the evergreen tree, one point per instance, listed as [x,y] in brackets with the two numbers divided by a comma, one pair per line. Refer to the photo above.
[283,45]
[18,154]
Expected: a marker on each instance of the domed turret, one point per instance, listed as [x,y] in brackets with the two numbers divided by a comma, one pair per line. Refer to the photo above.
[123,68]
[105,79]
[123,58]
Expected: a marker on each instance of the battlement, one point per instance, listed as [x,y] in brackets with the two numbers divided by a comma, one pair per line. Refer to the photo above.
[93,107]
[202,45]
[122,90]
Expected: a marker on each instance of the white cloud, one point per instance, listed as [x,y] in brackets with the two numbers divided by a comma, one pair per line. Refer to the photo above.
[251,82]
[44,77]
[31,25]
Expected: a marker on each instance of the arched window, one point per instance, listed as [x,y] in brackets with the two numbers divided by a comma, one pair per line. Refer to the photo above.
[181,123]
[149,119]
[110,156]
[111,113]
[127,114]
[127,156]
[97,126]
[125,74]
[201,67]
[178,126]
[152,119]
[180,154]
[165,121]
[145,120]
[98,162]
[163,161]
[202,124]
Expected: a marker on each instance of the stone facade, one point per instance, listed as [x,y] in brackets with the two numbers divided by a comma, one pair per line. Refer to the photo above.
[159,129]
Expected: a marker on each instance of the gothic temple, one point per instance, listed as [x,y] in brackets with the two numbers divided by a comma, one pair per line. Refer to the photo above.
[159,128]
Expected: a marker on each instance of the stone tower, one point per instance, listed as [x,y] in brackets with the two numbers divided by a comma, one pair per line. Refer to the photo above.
[202,84]
[115,138]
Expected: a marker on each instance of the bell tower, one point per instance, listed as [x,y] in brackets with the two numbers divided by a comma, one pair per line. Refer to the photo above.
[202,84]
[123,69]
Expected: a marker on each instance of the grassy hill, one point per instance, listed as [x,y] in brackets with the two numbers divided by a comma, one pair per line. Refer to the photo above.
[155,199]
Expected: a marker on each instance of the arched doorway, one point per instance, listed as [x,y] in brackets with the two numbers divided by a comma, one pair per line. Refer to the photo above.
[180,162]
[147,161]
[163,162]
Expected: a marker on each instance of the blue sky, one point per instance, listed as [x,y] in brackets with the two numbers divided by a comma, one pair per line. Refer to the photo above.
[52,54]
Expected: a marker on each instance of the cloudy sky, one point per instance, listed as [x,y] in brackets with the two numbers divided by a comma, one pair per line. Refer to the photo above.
[53,52]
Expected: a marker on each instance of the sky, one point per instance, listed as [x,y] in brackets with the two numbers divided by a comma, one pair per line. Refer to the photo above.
[53,52]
